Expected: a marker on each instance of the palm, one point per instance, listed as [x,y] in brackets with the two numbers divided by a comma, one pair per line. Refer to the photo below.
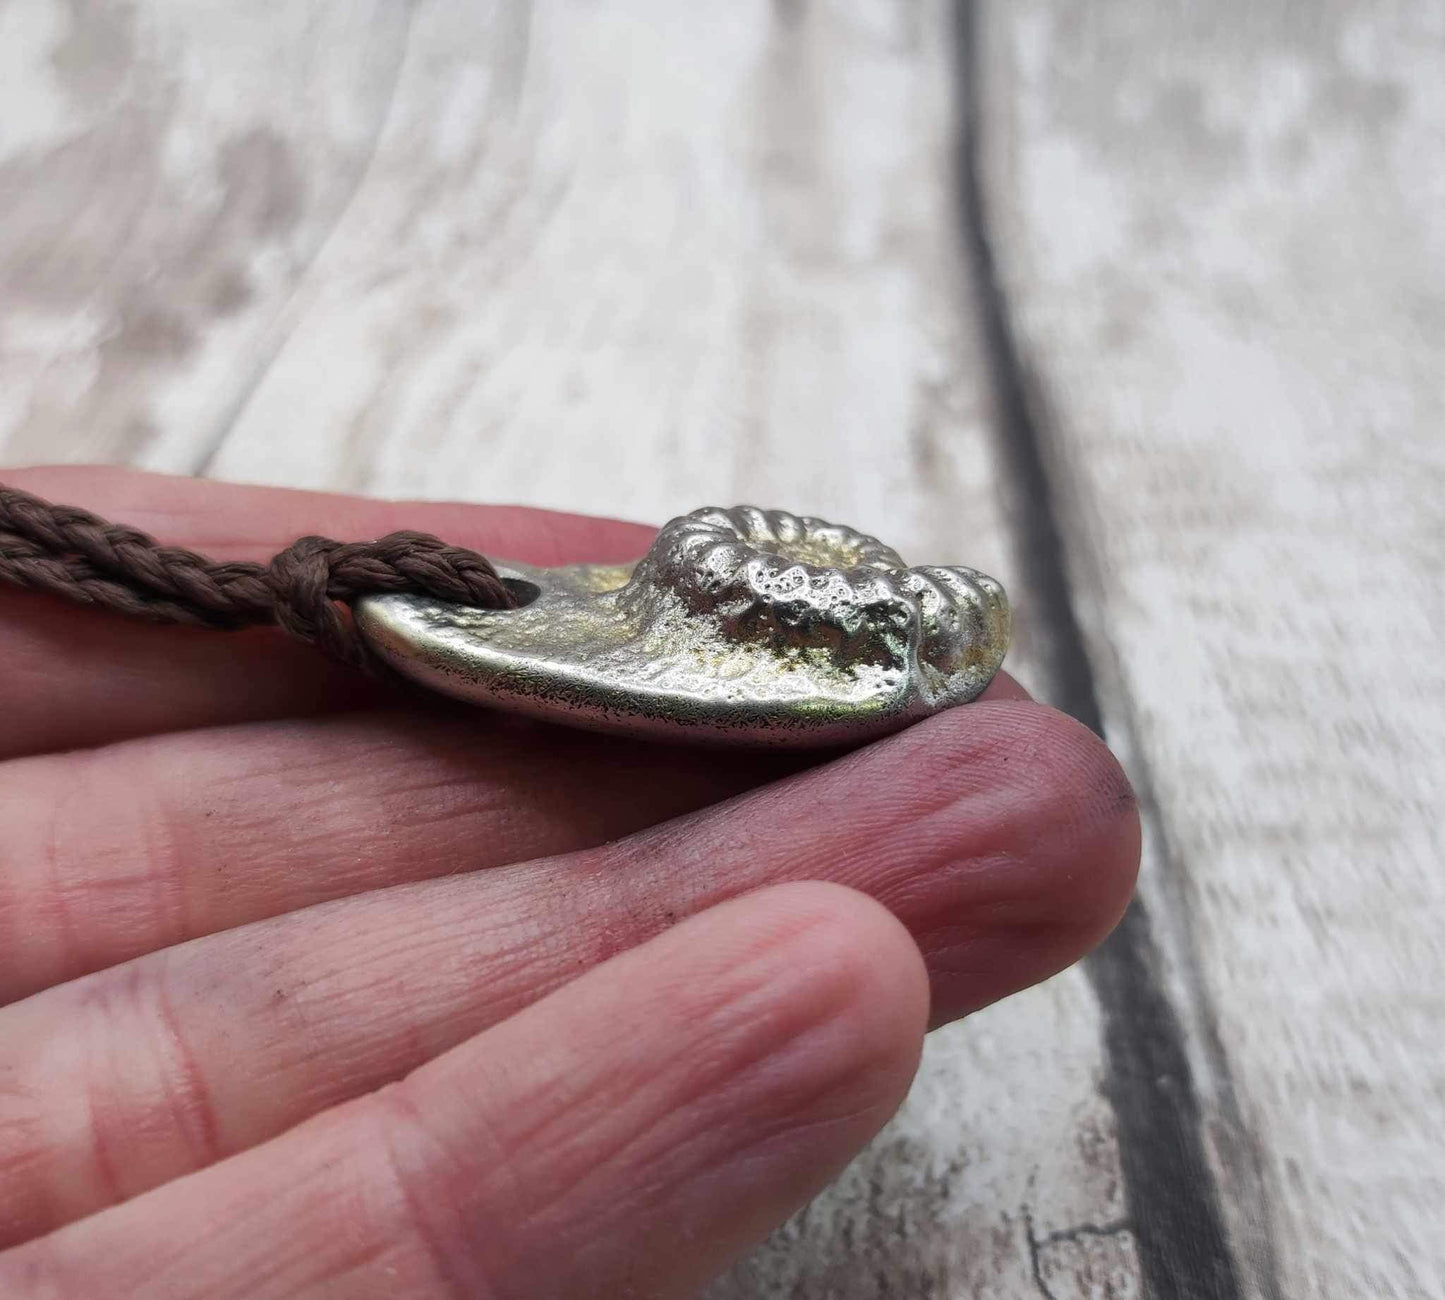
[243,893]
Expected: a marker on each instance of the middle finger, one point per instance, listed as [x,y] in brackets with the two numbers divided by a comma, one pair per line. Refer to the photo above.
[110,853]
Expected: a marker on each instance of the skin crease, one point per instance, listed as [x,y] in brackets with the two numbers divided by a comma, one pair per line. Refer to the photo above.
[317,988]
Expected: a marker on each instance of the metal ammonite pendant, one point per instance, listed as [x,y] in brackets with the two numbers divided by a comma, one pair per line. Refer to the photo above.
[745,626]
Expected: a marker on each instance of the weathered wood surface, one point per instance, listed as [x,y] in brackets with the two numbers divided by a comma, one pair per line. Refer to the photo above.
[1171,318]
[1224,266]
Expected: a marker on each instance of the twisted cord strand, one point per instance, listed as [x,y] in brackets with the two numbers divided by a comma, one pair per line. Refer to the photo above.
[305,589]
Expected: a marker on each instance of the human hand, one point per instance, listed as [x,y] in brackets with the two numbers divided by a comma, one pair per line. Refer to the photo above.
[314,987]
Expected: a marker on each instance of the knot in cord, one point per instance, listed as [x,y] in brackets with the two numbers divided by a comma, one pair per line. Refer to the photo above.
[304,590]
[313,574]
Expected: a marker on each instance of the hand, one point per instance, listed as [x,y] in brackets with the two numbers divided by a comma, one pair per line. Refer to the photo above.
[314,987]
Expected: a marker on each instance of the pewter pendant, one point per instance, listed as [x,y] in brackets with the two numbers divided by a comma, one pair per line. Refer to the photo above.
[745,626]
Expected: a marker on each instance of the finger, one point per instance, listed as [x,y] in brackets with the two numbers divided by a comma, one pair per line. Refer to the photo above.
[628,1135]
[118,851]
[71,676]
[1003,835]
[110,853]
[1004,687]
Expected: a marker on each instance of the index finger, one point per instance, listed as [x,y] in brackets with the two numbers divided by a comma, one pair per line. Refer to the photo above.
[73,677]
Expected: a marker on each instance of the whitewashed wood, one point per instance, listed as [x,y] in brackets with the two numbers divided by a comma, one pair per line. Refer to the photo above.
[624,257]
[168,172]
[1219,229]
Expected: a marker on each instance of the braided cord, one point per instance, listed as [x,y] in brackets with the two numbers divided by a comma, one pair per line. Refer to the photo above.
[70,552]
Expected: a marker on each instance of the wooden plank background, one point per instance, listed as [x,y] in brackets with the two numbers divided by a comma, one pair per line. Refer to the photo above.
[1140,307]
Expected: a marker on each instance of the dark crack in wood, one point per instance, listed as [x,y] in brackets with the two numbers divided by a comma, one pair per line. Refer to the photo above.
[1173,1201]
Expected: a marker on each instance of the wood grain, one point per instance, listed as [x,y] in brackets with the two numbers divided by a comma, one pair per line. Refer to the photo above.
[1215,239]
[168,171]
[1153,331]
[622,257]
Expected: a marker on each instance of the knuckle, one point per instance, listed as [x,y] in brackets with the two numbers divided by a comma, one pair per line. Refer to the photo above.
[157,1121]
[439,1201]
[91,864]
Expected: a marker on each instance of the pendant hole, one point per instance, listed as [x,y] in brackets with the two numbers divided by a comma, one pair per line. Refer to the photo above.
[523,592]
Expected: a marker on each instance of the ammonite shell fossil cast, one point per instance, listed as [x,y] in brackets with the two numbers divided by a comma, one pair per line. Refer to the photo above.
[739,626]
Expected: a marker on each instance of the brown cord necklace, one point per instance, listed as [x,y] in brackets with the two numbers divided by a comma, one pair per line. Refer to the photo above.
[72,553]
[740,626]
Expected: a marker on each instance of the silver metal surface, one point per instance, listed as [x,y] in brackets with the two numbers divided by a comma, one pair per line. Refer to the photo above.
[741,626]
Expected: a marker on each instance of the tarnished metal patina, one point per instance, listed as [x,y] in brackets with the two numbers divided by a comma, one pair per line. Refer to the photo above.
[742,626]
